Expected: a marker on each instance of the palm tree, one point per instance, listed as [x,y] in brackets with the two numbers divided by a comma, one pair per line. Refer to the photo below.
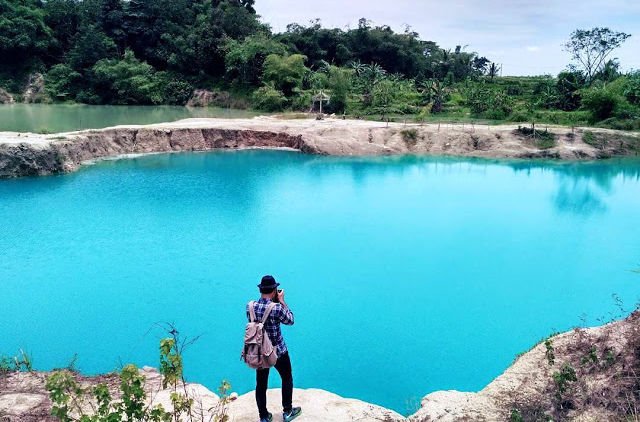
[494,69]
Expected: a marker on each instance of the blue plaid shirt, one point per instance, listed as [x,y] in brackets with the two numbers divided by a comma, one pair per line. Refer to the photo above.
[279,315]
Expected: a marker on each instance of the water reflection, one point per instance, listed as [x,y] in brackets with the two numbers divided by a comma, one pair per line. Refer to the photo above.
[581,188]
[578,198]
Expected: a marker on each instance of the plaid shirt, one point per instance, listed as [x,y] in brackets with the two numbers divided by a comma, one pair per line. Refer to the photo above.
[279,315]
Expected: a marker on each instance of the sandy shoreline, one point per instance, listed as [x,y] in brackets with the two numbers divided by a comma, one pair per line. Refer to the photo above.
[23,154]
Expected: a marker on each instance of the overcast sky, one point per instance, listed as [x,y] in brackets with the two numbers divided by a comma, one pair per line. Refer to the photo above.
[526,36]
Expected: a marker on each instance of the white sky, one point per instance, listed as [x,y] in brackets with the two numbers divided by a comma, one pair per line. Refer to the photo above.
[526,36]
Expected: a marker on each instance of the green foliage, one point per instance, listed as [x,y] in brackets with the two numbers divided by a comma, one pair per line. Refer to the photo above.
[549,352]
[589,138]
[409,136]
[173,89]
[23,32]
[268,98]
[126,81]
[568,87]
[542,139]
[515,416]
[564,378]
[90,46]
[284,73]
[483,100]
[244,59]
[18,363]
[62,82]
[632,88]
[591,356]
[71,402]
[339,82]
[601,102]
[590,48]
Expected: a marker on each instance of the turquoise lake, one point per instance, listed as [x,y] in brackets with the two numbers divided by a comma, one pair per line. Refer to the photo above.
[52,118]
[406,275]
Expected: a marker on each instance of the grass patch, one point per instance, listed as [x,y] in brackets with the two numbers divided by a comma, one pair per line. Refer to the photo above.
[542,139]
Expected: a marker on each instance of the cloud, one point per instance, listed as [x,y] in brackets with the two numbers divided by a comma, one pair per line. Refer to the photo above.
[533,48]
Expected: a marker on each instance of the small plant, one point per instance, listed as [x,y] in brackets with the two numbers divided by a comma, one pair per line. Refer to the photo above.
[19,363]
[590,139]
[591,356]
[563,378]
[549,352]
[542,139]
[515,416]
[73,403]
[609,357]
[409,136]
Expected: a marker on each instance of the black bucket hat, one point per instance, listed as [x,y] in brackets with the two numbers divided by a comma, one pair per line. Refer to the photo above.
[268,282]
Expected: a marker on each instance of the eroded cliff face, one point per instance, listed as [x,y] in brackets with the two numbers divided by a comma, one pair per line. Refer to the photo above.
[31,154]
[64,154]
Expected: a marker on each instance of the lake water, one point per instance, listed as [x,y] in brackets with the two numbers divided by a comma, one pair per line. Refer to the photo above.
[51,118]
[406,275]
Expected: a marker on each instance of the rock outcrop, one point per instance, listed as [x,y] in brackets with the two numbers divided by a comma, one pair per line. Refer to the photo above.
[23,398]
[606,387]
[34,91]
[206,98]
[31,154]
[5,97]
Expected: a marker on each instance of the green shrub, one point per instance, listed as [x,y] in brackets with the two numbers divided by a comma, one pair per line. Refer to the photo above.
[549,351]
[68,395]
[600,102]
[285,73]
[268,98]
[543,139]
[173,89]
[564,377]
[20,362]
[61,82]
[519,115]
[482,99]
[632,88]
[127,81]
[589,138]
[302,101]
[409,136]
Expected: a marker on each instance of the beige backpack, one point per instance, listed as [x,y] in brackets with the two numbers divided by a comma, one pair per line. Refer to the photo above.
[258,352]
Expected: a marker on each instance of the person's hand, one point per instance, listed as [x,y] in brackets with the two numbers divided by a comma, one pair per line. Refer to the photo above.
[281,296]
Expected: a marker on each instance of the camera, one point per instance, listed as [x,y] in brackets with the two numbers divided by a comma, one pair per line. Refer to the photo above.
[276,299]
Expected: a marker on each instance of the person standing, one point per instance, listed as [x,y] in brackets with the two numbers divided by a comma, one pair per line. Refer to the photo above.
[280,314]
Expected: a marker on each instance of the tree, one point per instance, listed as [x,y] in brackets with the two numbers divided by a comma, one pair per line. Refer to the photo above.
[590,48]
[24,36]
[568,86]
[493,70]
[127,81]
[285,73]
[435,93]
[384,96]
[244,59]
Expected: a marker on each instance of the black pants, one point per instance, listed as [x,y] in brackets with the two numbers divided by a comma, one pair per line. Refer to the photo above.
[283,366]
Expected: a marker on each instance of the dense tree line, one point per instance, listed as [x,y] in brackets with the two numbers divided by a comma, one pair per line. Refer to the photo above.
[159,51]
[189,43]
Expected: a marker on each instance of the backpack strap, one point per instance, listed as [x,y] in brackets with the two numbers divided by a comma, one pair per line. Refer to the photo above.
[268,311]
[252,311]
